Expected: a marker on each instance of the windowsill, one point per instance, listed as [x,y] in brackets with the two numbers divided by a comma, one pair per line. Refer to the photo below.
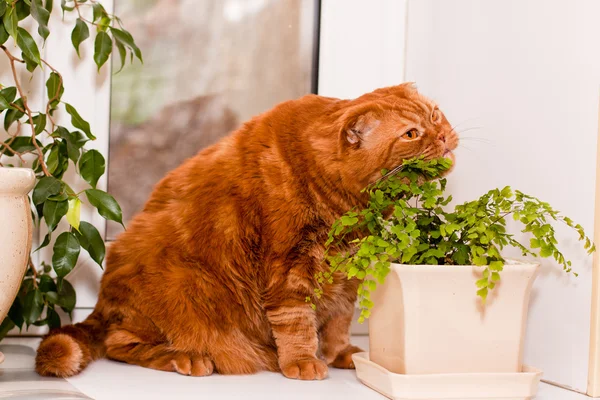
[106,379]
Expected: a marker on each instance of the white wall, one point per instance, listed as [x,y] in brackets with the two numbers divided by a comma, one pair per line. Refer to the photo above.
[361,46]
[527,73]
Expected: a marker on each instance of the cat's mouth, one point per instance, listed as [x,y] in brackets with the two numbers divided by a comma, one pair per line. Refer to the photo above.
[450,154]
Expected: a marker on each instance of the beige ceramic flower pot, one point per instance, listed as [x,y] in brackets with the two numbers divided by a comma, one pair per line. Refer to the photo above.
[428,320]
[15,232]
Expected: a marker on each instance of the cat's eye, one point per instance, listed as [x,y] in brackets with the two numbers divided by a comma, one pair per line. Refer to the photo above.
[412,134]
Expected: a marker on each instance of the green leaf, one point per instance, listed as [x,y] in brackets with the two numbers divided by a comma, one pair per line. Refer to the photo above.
[33,306]
[65,7]
[480,261]
[45,243]
[11,22]
[13,114]
[2,8]
[107,206]
[20,144]
[46,187]
[47,284]
[483,294]
[481,283]
[23,9]
[102,48]
[30,65]
[122,54]
[39,121]
[67,298]
[92,166]
[5,327]
[348,221]
[534,243]
[66,252]
[496,265]
[53,319]
[52,295]
[379,196]
[90,240]
[75,141]
[461,256]
[3,34]
[53,212]
[125,38]
[9,93]
[507,192]
[80,33]
[16,313]
[98,11]
[74,213]
[55,88]
[104,23]
[79,122]
[49,5]
[53,161]
[62,196]
[42,16]
[28,46]
[546,251]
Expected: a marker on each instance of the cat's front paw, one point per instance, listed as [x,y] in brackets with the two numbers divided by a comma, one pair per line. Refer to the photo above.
[306,369]
[344,358]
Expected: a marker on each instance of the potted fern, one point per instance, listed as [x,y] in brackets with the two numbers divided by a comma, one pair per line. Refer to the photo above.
[440,295]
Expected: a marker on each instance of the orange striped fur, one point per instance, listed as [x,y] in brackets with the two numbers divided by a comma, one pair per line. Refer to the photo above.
[213,274]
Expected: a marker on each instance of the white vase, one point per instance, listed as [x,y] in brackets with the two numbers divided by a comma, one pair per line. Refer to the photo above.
[428,320]
[15,232]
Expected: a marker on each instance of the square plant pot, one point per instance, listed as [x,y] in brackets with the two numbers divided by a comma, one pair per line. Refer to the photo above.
[428,319]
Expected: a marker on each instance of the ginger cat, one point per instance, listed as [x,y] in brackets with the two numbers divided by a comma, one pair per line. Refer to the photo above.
[213,275]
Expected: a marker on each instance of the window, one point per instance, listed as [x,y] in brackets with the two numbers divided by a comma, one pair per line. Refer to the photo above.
[208,67]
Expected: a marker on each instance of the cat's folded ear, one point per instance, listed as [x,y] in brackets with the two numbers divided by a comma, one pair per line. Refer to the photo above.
[357,127]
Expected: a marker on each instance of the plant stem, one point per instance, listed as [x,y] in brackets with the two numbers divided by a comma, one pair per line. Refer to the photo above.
[52,122]
[28,111]
[35,273]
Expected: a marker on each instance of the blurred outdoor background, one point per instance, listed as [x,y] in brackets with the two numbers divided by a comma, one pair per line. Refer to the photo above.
[208,67]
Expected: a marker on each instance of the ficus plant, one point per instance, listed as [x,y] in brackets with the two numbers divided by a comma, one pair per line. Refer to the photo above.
[35,139]
[407,221]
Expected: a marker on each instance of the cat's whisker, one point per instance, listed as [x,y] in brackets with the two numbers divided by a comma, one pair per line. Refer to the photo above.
[462,146]
[480,140]
[463,122]
[473,128]
[390,173]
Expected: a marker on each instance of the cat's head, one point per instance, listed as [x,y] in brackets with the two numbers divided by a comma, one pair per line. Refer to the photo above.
[382,129]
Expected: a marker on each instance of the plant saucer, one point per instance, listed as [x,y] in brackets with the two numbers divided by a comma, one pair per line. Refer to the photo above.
[468,386]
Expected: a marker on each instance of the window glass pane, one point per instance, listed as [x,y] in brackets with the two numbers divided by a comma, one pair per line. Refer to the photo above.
[209,65]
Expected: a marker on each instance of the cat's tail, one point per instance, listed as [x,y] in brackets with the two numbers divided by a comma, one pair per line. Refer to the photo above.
[66,351]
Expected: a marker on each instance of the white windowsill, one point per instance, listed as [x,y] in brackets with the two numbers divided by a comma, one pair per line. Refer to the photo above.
[106,379]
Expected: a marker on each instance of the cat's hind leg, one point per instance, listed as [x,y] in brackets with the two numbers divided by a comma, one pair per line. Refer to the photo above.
[129,347]
[335,341]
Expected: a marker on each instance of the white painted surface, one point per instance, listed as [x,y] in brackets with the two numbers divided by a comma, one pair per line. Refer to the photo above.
[361,46]
[89,92]
[527,74]
[110,380]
